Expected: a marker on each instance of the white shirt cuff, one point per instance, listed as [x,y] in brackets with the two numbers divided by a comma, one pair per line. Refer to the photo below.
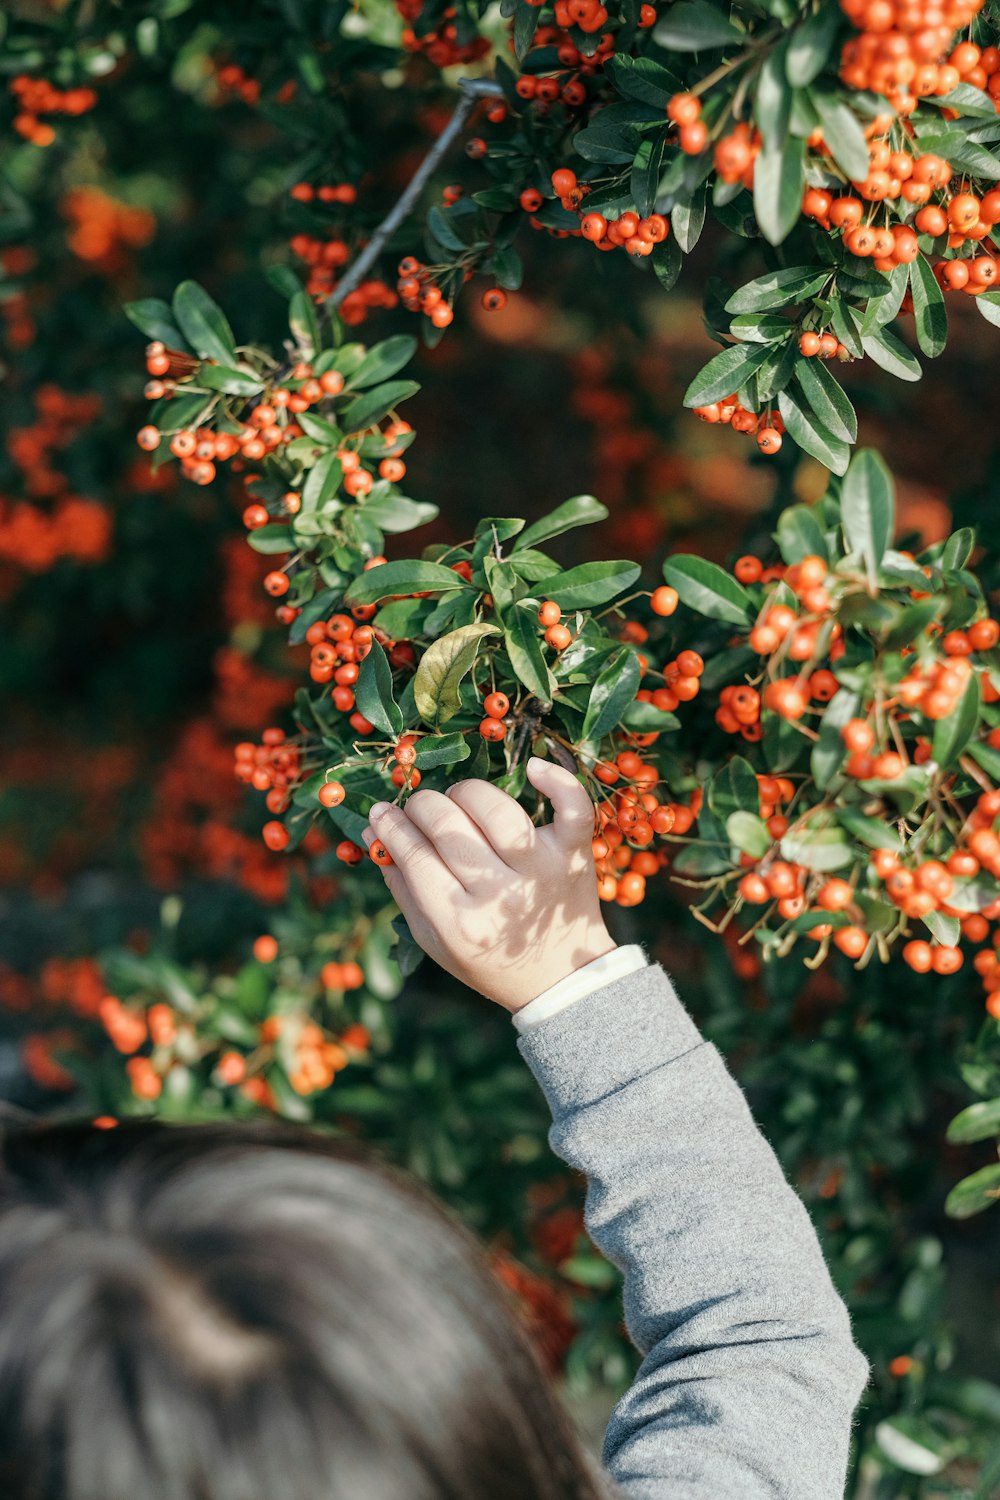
[593,976]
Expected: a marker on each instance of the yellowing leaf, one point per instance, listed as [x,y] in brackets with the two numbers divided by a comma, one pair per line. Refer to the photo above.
[442,667]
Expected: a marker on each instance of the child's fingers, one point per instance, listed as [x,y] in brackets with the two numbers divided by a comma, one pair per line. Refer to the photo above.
[502,821]
[573,823]
[428,879]
[456,839]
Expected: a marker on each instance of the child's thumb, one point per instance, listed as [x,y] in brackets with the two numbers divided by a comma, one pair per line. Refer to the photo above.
[574,812]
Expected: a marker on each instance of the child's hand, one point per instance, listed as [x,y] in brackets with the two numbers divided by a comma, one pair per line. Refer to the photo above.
[506,907]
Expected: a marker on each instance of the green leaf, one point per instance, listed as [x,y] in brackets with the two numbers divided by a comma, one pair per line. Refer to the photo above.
[525,25]
[883,305]
[911,620]
[827,755]
[733,789]
[203,324]
[582,510]
[524,647]
[958,549]
[810,434]
[778,180]
[592,583]
[777,289]
[693,26]
[645,173]
[319,428]
[441,669]
[974,1193]
[846,324]
[646,716]
[232,382]
[155,319]
[439,224]
[323,481]
[369,409]
[506,266]
[759,328]
[819,849]
[614,688]
[773,98]
[668,262]
[705,587]
[268,539]
[843,133]
[749,833]
[800,535]
[968,100]
[944,930]
[977,1123]
[828,399]
[929,311]
[953,733]
[891,354]
[811,45]
[687,217]
[394,513]
[605,143]
[401,620]
[867,509]
[870,831]
[725,373]
[373,692]
[284,280]
[303,324]
[989,307]
[441,750]
[641,78]
[406,577]
[383,360]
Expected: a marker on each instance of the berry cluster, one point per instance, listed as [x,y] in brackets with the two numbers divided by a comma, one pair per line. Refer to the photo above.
[440,45]
[273,767]
[766,427]
[267,429]
[902,48]
[35,97]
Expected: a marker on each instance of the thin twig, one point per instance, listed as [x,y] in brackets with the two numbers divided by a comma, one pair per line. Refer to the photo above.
[472,90]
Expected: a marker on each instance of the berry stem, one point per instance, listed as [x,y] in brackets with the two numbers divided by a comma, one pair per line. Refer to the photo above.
[472,90]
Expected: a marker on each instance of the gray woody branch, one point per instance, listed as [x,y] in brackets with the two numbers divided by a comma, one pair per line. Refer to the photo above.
[472,90]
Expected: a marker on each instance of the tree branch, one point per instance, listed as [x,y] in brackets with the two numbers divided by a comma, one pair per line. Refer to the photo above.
[472,90]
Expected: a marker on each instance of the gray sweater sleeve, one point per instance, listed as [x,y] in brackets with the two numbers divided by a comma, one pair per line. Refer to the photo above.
[750,1375]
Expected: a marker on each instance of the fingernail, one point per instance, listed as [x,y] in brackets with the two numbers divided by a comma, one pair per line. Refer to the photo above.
[536,761]
[377,809]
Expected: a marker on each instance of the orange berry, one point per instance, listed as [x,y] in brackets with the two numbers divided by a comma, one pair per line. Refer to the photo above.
[265,948]
[835,895]
[664,600]
[851,941]
[918,955]
[549,613]
[683,109]
[496,705]
[946,960]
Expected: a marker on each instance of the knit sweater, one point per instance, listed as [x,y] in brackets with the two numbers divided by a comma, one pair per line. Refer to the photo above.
[750,1376]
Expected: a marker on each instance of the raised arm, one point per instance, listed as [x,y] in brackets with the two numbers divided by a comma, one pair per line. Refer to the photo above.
[750,1376]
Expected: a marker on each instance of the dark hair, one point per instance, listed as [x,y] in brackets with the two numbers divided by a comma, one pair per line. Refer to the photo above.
[256,1312]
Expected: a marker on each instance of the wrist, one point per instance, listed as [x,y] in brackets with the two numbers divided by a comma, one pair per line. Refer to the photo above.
[597,947]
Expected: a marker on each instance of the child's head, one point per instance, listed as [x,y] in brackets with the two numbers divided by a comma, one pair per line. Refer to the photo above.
[255,1313]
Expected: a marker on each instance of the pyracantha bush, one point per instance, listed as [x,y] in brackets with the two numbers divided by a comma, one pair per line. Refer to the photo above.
[858,682]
